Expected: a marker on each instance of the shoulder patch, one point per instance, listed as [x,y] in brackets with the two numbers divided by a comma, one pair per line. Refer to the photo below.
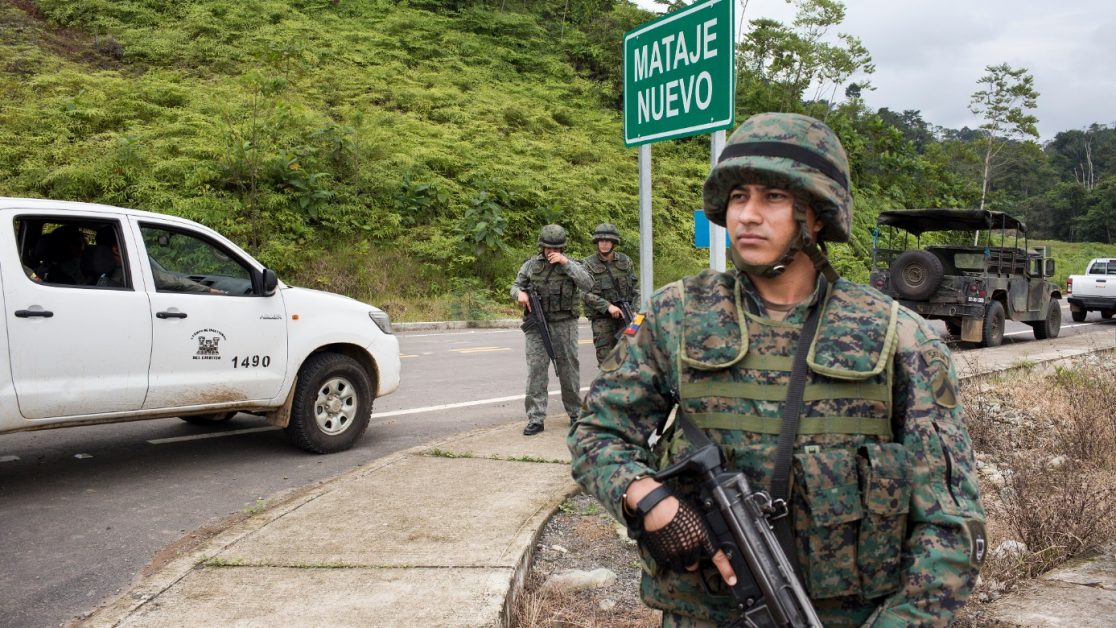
[936,361]
[633,327]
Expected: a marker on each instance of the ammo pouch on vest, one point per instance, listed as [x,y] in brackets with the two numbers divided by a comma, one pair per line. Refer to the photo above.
[851,519]
[613,288]
[850,503]
[556,290]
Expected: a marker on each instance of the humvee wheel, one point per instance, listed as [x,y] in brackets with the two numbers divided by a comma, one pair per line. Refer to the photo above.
[916,274]
[1050,327]
[993,334]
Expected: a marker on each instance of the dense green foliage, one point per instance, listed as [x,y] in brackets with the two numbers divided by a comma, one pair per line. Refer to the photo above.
[407,153]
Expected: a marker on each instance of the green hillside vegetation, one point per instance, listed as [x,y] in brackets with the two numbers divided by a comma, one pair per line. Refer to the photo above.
[407,153]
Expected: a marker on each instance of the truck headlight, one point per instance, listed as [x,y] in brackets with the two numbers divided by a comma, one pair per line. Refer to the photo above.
[382,320]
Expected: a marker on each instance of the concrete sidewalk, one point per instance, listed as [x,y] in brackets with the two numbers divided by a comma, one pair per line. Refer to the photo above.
[442,535]
[438,535]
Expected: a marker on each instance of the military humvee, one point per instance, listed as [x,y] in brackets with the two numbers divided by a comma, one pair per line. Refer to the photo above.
[973,288]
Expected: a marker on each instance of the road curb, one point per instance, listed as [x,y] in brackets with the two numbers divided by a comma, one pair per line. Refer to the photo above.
[498,323]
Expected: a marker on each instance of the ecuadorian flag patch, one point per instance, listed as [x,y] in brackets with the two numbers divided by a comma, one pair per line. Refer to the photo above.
[633,327]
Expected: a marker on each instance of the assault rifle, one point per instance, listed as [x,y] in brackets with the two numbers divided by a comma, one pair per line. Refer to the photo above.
[627,314]
[767,592]
[536,319]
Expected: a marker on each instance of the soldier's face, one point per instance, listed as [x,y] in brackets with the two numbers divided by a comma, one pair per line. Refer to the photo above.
[760,221]
[604,246]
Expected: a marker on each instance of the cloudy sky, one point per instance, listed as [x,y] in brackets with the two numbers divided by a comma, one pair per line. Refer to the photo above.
[929,55]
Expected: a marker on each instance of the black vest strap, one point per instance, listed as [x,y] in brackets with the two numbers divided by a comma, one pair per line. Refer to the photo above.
[788,431]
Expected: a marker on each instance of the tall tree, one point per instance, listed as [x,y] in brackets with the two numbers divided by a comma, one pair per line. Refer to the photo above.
[791,60]
[1004,102]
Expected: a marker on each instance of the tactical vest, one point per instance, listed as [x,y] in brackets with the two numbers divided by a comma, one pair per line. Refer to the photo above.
[849,480]
[728,353]
[557,290]
[612,282]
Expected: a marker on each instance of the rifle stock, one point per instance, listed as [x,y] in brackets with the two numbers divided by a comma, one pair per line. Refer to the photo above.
[767,592]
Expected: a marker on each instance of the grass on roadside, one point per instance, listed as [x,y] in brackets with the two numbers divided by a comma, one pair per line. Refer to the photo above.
[1046,446]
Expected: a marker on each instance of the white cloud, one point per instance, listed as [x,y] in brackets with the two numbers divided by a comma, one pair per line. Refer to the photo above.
[930,55]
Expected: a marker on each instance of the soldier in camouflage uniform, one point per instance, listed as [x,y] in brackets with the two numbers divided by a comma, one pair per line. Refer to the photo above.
[887,522]
[557,279]
[614,281]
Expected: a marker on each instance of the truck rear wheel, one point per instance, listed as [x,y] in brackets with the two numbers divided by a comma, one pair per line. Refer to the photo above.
[1107,314]
[1078,315]
[332,404]
[1050,327]
[993,333]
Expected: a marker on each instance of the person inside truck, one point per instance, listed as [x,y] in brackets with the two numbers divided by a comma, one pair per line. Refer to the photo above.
[164,281]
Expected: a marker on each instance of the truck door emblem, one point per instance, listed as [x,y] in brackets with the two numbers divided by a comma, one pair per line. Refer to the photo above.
[209,341]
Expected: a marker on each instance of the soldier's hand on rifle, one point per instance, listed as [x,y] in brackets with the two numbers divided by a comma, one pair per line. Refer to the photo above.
[524,300]
[556,257]
[674,532]
[614,311]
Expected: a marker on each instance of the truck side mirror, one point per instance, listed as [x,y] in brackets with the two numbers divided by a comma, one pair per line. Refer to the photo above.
[270,282]
[1049,268]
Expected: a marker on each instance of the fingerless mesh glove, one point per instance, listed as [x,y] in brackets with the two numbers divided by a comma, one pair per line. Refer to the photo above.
[682,542]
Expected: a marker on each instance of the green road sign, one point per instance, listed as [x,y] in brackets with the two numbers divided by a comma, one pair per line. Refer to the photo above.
[679,74]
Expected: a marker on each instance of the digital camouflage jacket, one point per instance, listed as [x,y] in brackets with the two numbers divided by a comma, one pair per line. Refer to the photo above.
[887,518]
[613,282]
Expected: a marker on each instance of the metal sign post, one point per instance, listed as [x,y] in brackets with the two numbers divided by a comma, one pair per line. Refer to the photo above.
[716,232]
[646,286]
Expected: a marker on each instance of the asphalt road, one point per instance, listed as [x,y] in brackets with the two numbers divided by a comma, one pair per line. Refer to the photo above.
[82,510]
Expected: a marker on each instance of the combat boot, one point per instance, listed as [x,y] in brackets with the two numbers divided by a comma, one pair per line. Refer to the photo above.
[533,427]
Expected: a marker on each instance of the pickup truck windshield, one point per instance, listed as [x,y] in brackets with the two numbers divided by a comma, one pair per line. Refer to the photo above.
[1103,268]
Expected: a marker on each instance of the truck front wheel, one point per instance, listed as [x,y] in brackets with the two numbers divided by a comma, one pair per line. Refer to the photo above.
[332,404]
[993,333]
[1050,327]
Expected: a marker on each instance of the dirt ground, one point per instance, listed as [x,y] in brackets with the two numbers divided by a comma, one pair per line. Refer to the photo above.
[583,536]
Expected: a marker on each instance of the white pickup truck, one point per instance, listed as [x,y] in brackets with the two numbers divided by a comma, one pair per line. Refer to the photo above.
[120,315]
[1095,290]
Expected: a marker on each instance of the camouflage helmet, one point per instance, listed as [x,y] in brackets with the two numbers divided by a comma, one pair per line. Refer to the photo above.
[606,231]
[552,236]
[785,150]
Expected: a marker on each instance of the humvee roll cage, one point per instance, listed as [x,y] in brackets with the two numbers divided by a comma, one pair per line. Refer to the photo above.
[919,221]
[1004,260]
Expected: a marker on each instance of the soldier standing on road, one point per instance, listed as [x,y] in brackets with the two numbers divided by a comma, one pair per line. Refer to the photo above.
[886,526]
[614,281]
[557,279]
